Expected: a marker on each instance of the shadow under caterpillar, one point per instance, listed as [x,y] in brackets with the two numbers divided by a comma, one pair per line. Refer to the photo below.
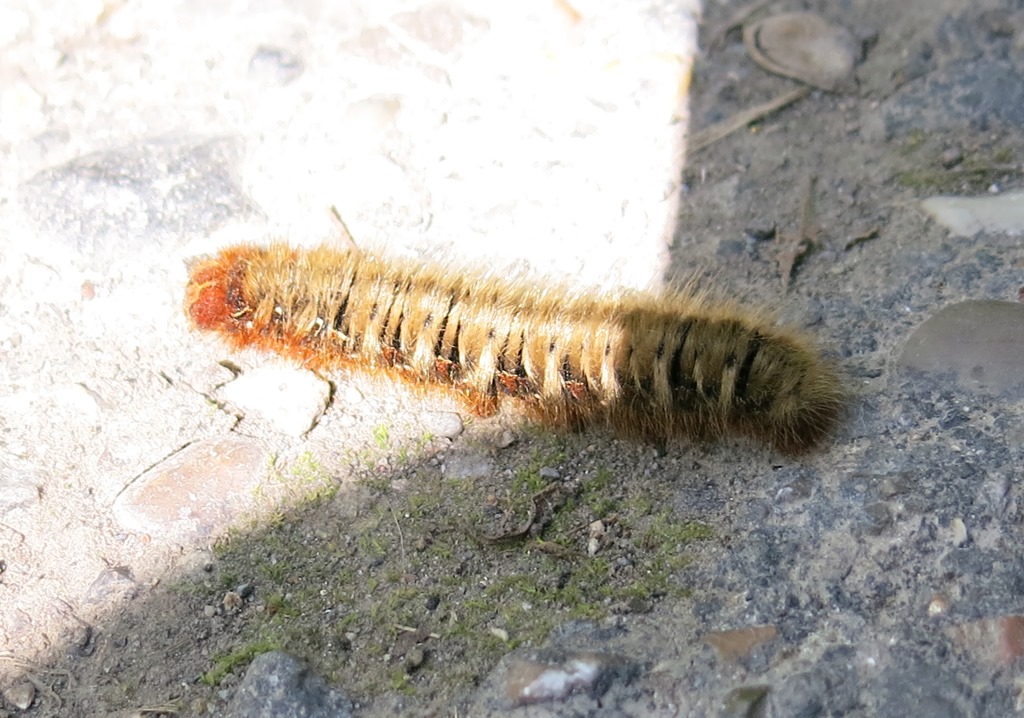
[651,366]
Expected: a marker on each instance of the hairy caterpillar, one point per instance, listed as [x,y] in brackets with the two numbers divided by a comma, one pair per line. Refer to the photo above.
[650,366]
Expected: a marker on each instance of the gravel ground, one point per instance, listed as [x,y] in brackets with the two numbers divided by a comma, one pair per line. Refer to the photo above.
[173,541]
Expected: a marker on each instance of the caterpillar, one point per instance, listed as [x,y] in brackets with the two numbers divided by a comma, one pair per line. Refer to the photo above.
[650,366]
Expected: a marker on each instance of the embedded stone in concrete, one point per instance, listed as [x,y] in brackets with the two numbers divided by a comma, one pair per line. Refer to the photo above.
[981,342]
[968,216]
[289,399]
[554,675]
[156,192]
[195,493]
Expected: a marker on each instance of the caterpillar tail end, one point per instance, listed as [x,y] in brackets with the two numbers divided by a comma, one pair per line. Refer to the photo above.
[806,427]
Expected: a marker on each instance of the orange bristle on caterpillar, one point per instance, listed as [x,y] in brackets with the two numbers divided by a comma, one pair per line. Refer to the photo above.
[651,366]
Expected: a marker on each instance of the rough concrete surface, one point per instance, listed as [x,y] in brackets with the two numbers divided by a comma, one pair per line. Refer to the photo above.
[166,520]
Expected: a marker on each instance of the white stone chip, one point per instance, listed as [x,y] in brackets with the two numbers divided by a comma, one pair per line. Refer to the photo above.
[446,424]
[960,535]
[289,399]
[967,216]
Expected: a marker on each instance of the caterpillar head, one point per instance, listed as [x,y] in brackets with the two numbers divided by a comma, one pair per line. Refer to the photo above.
[213,295]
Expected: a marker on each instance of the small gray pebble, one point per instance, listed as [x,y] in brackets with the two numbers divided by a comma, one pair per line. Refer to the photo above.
[278,685]
[414,659]
[444,424]
[20,695]
[506,440]
[951,157]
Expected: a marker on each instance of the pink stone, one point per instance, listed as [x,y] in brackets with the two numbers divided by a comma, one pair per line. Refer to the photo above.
[196,493]
[997,641]
[737,643]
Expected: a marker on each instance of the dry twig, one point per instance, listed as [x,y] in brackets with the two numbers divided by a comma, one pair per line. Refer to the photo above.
[798,244]
[709,135]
